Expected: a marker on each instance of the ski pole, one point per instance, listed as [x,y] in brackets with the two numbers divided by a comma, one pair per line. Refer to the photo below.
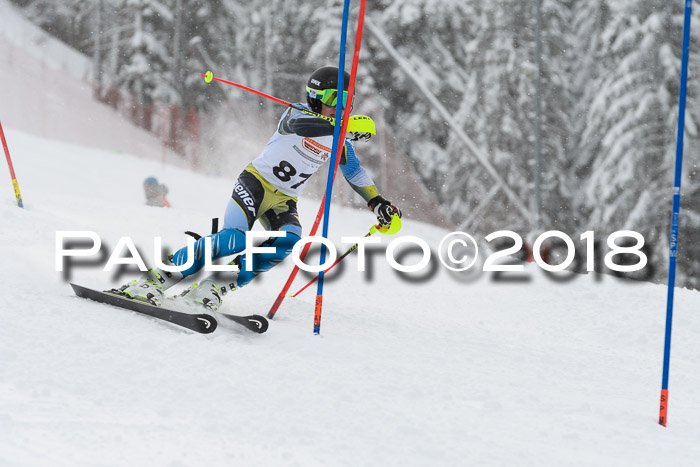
[15,185]
[352,248]
[209,77]
[391,229]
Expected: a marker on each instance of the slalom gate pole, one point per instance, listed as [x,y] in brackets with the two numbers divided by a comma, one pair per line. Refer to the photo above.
[350,250]
[302,255]
[209,77]
[15,185]
[338,147]
[283,293]
[673,239]
[390,229]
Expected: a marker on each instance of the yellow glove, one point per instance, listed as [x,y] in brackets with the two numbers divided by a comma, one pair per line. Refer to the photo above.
[361,128]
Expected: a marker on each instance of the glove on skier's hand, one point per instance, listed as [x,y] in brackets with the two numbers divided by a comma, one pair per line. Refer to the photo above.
[383,209]
[360,136]
[361,128]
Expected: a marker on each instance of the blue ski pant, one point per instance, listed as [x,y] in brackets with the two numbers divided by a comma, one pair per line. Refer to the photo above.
[253,199]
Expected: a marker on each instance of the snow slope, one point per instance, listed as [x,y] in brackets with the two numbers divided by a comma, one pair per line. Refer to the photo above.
[445,371]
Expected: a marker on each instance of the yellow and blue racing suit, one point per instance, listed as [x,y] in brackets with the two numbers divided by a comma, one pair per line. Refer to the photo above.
[267,191]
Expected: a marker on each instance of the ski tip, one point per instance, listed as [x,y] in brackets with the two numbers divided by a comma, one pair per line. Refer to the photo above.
[77,289]
[259,323]
[256,323]
[206,324]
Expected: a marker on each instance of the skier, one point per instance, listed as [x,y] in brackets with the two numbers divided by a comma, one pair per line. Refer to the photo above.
[155,193]
[267,191]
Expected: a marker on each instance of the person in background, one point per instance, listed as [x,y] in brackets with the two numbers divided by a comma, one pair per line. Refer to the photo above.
[155,193]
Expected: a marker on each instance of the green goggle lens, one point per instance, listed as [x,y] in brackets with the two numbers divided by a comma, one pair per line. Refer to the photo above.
[327,96]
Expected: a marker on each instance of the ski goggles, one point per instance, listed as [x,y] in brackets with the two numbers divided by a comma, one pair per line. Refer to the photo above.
[327,96]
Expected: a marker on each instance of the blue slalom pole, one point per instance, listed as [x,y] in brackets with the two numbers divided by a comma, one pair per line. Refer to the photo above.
[334,155]
[673,239]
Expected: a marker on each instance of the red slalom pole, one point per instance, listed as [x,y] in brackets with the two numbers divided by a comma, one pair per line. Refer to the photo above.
[302,255]
[209,77]
[352,248]
[339,143]
[15,185]
[319,216]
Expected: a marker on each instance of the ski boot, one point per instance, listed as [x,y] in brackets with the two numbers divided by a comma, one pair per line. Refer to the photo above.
[228,278]
[206,294]
[151,287]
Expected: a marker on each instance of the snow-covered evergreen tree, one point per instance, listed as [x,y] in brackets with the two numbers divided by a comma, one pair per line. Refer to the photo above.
[479,60]
[629,138]
[590,19]
[610,77]
[145,70]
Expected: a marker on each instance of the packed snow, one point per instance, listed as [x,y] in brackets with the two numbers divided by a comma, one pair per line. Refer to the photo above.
[440,369]
[448,370]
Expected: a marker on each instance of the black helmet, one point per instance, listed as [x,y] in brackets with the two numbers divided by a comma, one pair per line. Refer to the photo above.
[325,78]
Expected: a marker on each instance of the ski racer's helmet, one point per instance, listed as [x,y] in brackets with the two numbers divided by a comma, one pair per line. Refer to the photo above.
[150,181]
[322,88]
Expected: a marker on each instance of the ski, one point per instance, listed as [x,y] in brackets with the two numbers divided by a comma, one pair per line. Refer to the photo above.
[200,322]
[255,323]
